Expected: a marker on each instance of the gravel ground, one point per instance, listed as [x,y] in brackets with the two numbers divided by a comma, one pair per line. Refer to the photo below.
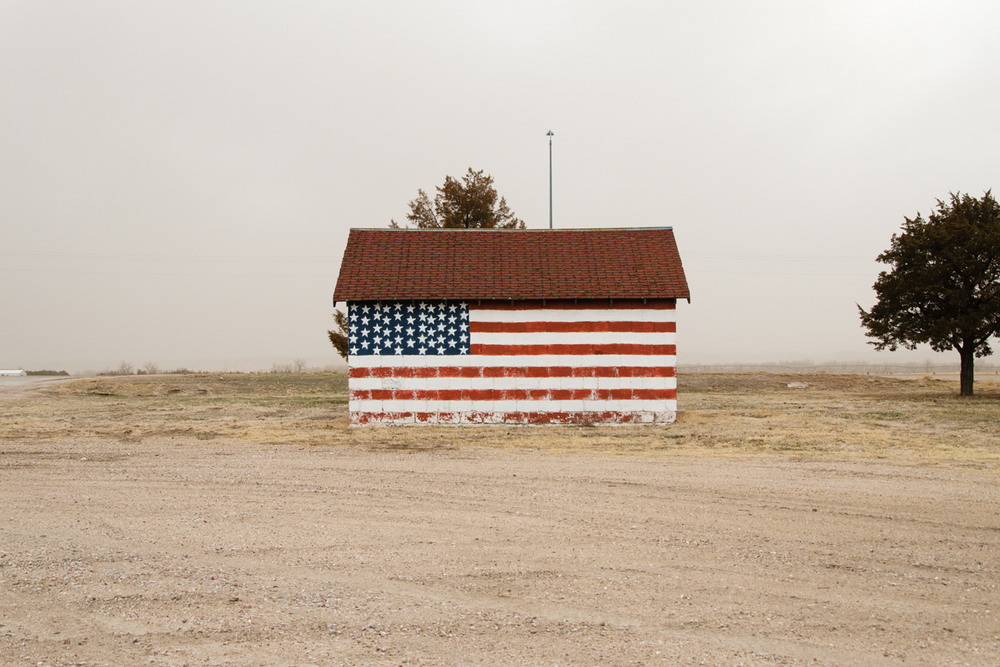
[189,553]
[141,524]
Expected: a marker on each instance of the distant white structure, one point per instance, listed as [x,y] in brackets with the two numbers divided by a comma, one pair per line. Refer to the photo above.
[12,373]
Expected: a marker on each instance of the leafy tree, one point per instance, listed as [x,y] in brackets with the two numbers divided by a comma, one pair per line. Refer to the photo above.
[943,285]
[471,203]
[338,336]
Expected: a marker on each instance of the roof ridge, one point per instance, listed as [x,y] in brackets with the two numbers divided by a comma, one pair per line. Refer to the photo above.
[453,229]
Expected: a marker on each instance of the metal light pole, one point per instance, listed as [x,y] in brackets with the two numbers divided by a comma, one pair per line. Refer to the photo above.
[550,134]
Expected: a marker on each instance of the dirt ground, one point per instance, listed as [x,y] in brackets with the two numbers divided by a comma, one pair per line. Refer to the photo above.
[237,520]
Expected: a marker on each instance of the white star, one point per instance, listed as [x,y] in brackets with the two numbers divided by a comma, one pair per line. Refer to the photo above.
[440,350]
[410,307]
[399,350]
[410,342]
[354,350]
[423,350]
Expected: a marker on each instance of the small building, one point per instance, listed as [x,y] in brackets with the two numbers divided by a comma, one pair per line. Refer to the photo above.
[13,373]
[512,326]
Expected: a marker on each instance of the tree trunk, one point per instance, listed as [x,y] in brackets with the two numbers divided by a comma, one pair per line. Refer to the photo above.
[968,369]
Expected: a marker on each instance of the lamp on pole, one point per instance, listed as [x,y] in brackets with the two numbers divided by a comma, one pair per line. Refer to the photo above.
[550,134]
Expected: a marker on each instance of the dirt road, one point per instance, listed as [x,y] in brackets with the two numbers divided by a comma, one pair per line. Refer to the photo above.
[184,549]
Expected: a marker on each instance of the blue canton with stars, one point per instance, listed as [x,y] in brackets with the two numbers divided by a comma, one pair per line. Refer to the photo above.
[408,327]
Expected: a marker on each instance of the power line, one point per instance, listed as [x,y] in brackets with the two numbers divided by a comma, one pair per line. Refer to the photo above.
[142,257]
[126,257]
[85,272]
[771,257]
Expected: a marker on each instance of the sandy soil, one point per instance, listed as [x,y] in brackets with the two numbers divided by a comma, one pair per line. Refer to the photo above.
[122,543]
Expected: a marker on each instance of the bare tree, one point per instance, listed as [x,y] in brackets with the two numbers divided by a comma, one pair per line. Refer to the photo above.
[472,203]
[339,336]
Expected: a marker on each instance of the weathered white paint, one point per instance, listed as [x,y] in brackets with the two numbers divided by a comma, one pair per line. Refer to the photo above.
[581,315]
[511,406]
[509,418]
[439,383]
[606,360]
[528,385]
[571,338]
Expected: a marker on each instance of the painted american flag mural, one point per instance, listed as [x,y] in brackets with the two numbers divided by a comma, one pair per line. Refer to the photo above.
[524,362]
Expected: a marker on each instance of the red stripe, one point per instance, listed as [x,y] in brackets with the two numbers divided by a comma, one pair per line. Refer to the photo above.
[513,371]
[572,304]
[563,327]
[580,349]
[513,394]
[603,417]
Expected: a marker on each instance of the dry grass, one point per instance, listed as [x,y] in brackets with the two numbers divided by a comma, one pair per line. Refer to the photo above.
[731,415]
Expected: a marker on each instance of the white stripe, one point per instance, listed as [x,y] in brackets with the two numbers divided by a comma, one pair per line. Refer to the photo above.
[573,338]
[548,360]
[559,315]
[513,406]
[487,418]
[437,384]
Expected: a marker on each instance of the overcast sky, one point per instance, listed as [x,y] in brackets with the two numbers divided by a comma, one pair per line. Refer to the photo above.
[177,179]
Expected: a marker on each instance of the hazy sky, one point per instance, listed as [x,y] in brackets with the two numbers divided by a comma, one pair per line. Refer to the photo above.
[177,179]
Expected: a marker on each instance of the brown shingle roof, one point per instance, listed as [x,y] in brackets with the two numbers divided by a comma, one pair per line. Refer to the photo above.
[407,264]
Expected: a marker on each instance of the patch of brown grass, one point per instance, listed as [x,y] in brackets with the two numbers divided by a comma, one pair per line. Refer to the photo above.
[728,415]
